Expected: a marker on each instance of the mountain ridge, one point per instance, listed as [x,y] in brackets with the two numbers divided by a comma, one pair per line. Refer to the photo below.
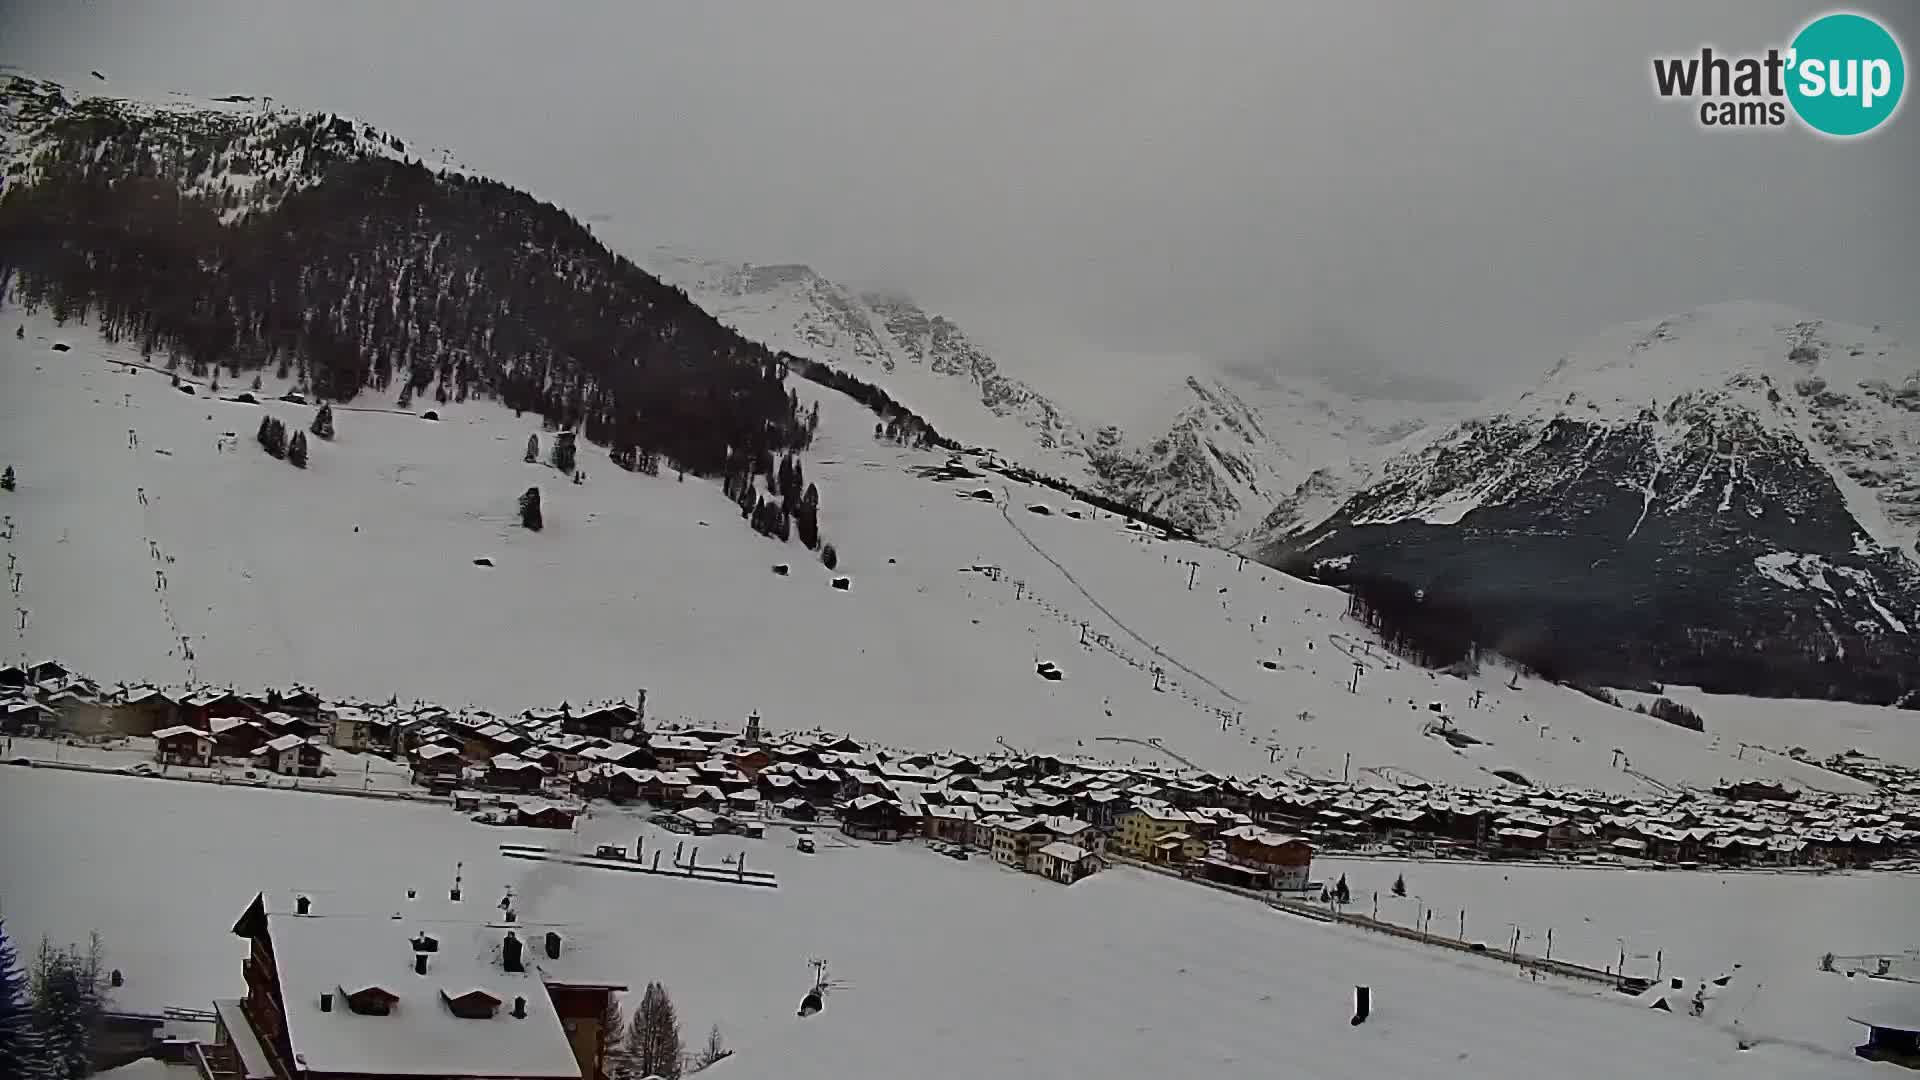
[1726,496]
[1180,438]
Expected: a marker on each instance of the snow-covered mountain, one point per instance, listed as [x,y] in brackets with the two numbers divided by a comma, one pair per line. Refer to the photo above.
[395,563]
[1731,493]
[1177,436]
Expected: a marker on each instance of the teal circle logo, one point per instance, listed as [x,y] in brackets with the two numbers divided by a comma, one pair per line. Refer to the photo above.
[1846,75]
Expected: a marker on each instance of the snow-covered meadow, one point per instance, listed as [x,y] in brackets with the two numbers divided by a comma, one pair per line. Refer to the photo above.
[357,576]
[1767,930]
[942,969]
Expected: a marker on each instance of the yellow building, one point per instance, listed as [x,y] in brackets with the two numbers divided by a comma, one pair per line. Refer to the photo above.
[1142,828]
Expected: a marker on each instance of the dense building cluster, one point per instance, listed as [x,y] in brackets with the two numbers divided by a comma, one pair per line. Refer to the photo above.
[1258,832]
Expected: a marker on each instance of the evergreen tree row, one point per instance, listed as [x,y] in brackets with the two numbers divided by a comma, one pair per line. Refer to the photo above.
[51,1017]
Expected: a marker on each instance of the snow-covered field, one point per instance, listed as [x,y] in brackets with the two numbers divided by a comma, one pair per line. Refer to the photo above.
[357,577]
[944,969]
[1767,930]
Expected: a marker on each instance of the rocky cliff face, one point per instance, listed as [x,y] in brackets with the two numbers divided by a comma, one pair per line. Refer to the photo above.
[1727,497]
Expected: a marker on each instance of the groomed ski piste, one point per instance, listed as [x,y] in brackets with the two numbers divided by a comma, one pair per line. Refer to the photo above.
[941,969]
[358,576]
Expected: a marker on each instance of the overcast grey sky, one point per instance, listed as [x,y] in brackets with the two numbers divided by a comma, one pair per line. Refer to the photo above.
[1463,189]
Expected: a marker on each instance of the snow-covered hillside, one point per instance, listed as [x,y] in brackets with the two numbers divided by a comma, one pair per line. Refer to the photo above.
[264,153]
[941,969]
[358,576]
[1737,473]
[1174,435]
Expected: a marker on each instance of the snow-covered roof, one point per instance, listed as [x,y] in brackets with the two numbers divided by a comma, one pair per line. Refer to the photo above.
[420,1035]
[1065,852]
[179,730]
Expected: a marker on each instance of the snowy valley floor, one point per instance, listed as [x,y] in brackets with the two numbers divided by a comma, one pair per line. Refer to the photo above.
[946,969]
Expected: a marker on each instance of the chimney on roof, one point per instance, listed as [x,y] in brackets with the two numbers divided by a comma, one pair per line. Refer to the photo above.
[425,942]
[302,906]
[519,1008]
[553,945]
[510,953]
[419,963]
[326,1002]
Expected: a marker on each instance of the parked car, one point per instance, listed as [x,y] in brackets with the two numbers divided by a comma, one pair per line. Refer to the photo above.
[805,844]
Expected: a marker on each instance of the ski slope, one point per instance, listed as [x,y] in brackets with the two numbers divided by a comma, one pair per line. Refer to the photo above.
[357,577]
[941,970]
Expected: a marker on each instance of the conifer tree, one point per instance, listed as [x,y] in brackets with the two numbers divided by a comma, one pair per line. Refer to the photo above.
[19,1039]
[715,1050]
[323,421]
[297,450]
[1400,885]
[6,479]
[653,1040]
[533,449]
[829,558]
[69,1002]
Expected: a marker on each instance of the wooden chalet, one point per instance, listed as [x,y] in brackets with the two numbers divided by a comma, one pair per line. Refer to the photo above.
[871,817]
[182,745]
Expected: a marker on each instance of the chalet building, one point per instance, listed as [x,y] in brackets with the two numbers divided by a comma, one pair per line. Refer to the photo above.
[508,772]
[350,728]
[797,810]
[618,722]
[78,714]
[436,762]
[21,716]
[534,814]
[144,711]
[282,723]
[1756,791]
[748,760]
[48,671]
[14,677]
[428,996]
[201,709]
[1176,848]
[1518,840]
[290,755]
[674,750]
[1017,838]
[182,745]
[871,817]
[1288,860]
[614,783]
[236,738]
[1063,862]
[953,824]
[299,702]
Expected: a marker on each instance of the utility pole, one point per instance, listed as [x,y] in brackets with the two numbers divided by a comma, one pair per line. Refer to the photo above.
[1193,570]
[1346,767]
[1353,685]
